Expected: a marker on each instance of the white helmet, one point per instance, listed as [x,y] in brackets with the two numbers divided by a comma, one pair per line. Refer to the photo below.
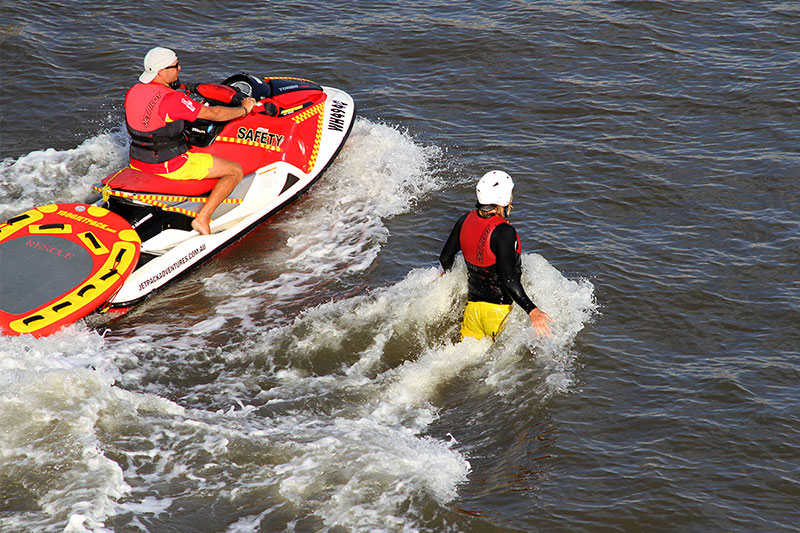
[495,188]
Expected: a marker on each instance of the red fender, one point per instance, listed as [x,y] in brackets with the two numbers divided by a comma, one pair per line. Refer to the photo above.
[212,91]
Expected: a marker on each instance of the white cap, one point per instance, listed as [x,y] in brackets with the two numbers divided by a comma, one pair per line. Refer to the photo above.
[495,188]
[156,59]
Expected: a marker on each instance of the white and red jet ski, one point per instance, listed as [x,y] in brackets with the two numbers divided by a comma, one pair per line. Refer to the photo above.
[292,135]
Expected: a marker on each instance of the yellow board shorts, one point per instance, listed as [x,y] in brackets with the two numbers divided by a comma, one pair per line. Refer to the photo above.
[482,319]
[197,167]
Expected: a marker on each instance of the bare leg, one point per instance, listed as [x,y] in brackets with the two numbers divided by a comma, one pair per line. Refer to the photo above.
[230,175]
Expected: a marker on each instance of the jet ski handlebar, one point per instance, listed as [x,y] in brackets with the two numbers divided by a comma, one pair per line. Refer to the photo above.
[223,94]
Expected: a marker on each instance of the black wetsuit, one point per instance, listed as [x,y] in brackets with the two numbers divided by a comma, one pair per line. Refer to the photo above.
[498,283]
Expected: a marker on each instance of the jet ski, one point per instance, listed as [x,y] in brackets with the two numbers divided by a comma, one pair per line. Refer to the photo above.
[60,262]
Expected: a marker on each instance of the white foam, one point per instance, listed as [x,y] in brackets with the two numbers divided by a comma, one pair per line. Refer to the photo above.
[381,172]
[361,473]
[361,468]
[347,445]
[49,441]
[339,228]
[148,505]
[48,176]
[57,395]
[570,303]
[207,326]
[361,463]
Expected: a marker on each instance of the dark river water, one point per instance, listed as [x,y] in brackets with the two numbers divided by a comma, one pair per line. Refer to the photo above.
[310,377]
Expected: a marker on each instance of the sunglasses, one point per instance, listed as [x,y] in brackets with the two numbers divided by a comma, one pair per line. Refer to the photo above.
[176,65]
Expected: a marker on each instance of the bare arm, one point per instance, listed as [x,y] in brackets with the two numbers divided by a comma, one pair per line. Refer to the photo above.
[220,113]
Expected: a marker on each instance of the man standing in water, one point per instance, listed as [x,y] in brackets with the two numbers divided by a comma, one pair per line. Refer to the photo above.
[154,114]
[491,249]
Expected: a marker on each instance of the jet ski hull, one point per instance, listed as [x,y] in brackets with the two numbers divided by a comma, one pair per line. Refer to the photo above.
[284,146]
[281,178]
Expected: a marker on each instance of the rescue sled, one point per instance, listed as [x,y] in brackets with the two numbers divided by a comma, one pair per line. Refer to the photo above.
[292,135]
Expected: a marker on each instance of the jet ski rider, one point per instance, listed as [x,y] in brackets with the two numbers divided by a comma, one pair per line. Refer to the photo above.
[491,249]
[155,112]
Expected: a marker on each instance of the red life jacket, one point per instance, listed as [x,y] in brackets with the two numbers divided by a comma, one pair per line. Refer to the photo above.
[476,234]
[153,140]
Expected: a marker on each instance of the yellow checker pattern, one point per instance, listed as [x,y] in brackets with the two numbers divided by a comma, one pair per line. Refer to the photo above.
[305,115]
[159,199]
[287,78]
[308,113]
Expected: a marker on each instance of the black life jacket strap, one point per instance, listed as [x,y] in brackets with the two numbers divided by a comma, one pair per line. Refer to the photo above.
[157,143]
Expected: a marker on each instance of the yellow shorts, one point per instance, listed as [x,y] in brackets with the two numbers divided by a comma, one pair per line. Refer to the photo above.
[197,167]
[482,319]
